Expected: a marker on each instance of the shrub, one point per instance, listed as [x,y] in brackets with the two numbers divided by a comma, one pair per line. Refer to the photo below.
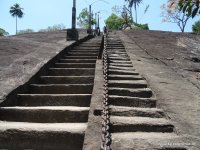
[53,28]
[3,32]
[196,26]
[142,26]
[25,31]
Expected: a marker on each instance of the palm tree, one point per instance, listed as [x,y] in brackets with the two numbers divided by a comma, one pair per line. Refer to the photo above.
[16,11]
[135,3]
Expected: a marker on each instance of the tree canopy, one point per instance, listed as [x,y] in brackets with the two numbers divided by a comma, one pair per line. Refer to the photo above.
[171,13]
[196,27]
[83,19]
[114,22]
[191,7]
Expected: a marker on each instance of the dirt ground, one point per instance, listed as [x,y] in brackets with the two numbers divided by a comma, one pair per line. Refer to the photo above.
[23,55]
[170,63]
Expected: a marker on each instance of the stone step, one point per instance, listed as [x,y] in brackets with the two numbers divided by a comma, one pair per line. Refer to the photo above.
[135,111]
[80,57]
[143,92]
[86,48]
[121,65]
[71,71]
[90,45]
[81,100]
[118,44]
[67,79]
[126,62]
[81,54]
[111,46]
[18,135]
[121,68]
[75,65]
[140,124]
[121,72]
[48,114]
[132,101]
[61,88]
[85,51]
[118,52]
[125,77]
[77,60]
[147,141]
[119,58]
[114,47]
[118,55]
[127,83]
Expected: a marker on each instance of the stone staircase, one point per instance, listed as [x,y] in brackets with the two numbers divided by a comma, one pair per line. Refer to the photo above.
[54,113]
[135,122]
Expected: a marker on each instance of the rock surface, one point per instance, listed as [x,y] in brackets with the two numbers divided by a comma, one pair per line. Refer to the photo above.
[23,55]
[176,89]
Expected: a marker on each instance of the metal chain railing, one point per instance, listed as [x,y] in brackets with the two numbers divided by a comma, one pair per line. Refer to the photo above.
[106,136]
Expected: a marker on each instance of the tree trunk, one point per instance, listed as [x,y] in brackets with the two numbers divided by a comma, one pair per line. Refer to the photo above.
[135,13]
[131,13]
[16,25]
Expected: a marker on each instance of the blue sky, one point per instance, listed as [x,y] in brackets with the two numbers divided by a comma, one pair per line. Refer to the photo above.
[40,14]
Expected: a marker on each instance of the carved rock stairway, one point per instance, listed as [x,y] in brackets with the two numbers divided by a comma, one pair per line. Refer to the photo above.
[135,122]
[54,113]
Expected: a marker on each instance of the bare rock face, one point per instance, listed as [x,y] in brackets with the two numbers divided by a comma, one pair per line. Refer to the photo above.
[23,55]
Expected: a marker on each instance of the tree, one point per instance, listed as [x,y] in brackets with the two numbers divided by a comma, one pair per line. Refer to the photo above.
[114,22]
[134,3]
[172,13]
[16,11]
[83,19]
[191,7]
[127,18]
[3,32]
[196,27]
[125,15]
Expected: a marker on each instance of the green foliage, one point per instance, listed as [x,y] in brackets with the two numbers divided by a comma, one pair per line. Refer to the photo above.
[3,32]
[25,31]
[134,3]
[142,26]
[16,11]
[191,7]
[114,22]
[196,27]
[53,28]
[125,15]
[83,19]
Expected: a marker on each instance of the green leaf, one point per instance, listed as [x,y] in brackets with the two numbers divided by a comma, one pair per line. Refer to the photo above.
[195,12]
[189,10]
[184,8]
[180,4]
